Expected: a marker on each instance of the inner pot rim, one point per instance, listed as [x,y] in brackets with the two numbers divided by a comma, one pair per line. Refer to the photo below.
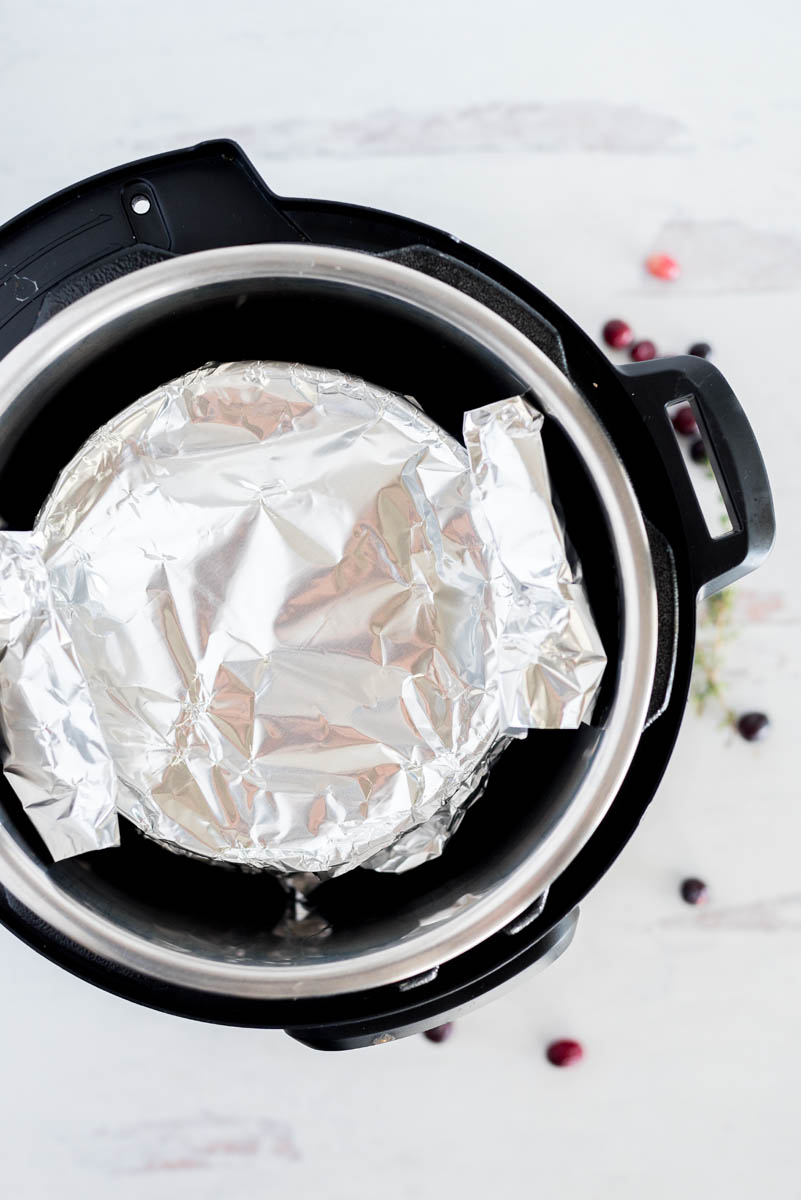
[29,374]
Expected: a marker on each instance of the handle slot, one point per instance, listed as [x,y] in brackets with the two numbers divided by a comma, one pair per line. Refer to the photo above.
[711,500]
[734,457]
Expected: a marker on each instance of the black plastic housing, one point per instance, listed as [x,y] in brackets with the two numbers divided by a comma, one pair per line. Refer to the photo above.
[211,196]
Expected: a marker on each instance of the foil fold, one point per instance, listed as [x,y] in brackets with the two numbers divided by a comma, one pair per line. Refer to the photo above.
[549,655]
[56,757]
[276,616]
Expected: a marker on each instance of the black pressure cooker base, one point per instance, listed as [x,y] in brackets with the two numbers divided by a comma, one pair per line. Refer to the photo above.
[211,196]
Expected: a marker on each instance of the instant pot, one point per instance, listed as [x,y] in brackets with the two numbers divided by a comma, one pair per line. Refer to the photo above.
[143,273]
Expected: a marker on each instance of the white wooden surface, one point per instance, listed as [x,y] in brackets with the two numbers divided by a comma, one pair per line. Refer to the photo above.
[569,140]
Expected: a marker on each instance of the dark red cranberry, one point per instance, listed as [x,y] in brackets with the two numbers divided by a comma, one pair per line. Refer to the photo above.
[565,1052]
[440,1033]
[694,891]
[642,351]
[753,726]
[684,421]
[698,451]
[617,334]
[700,349]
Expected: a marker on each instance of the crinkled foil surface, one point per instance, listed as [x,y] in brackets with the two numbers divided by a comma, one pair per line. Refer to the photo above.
[276,617]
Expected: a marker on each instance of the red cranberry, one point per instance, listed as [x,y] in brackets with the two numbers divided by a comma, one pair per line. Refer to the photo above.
[642,351]
[698,451]
[617,334]
[694,891]
[700,349]
[753,726]
[565,1052]
[663,266]
[684,421]
[440,1033]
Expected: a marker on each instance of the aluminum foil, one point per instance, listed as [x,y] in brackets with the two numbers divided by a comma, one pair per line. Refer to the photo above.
[275,616]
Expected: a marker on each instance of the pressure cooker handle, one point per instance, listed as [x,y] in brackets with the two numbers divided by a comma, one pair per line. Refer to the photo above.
[733,454]
[115,223]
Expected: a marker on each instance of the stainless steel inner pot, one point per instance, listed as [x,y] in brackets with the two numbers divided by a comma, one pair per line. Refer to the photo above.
[450,920]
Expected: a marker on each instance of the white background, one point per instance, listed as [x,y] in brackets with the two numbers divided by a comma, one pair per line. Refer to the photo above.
[569,140]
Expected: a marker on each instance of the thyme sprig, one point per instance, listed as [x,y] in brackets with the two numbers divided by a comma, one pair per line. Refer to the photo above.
[715,631]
